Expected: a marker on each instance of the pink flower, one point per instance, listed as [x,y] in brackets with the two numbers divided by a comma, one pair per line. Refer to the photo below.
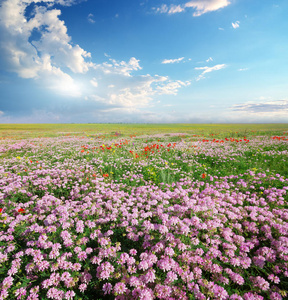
[237,278]
[20,292]
[146,294]
[82,287]
[275,296]
[107,288]
[134,281]
[82,255]
[133,252]
[143,265]
[171,276]
[150,276]
[120,288]
[164,264]
[274,278]
[70,295]
[163,291]
[169,251]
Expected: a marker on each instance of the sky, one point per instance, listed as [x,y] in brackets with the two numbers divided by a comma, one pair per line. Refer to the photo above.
[143,61]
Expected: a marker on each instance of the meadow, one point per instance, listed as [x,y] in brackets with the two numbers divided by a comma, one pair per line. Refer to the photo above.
[144,211]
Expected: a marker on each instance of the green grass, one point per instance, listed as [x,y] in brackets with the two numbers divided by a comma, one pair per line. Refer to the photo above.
[22,131]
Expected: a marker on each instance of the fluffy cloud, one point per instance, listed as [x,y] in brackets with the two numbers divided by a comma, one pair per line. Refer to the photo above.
[135,91]
[172,9]
[172,61]
[204,6]
[236,24]
[209,69]
[119,67]
[38,47]
[269,108]
[171,87]
[200,6]
[175,9]
[43,57]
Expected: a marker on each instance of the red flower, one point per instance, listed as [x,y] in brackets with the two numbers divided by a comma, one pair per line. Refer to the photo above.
[1,210]
[21,210]
[204,175]
[106,175]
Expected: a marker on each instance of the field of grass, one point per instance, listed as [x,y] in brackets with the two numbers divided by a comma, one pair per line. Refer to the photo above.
[130,211]
[53,130]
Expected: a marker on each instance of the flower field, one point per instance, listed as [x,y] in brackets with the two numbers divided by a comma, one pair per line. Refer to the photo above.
[190,215]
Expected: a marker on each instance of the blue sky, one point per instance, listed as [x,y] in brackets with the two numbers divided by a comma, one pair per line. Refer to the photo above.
[70,61]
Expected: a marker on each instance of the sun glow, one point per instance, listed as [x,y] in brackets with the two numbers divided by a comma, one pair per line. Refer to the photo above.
[69,87]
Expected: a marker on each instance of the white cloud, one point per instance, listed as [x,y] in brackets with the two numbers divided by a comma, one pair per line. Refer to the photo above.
[243,69]
[200,6]
[171,88]
[175,9]
[90,18]
[127,92]
[268,108]
[94,82]
[56,63]
[204,6]
[137,91]
[28,57]
[209,59]
[61,2]
[119,67]
[55,79]
[172,61]
[209,69]
[162,9]
[236,24]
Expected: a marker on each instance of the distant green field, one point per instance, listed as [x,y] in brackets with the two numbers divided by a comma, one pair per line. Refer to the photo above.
[52,130]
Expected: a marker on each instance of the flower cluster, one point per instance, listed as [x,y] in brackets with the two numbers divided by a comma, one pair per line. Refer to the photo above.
[70,230]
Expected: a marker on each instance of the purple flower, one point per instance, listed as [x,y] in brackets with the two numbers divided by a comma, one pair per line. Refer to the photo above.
[107,288]
[163,291]
[70,295]
[20,292]
[120,288]
[133,252]
[82,255]
[82,287]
